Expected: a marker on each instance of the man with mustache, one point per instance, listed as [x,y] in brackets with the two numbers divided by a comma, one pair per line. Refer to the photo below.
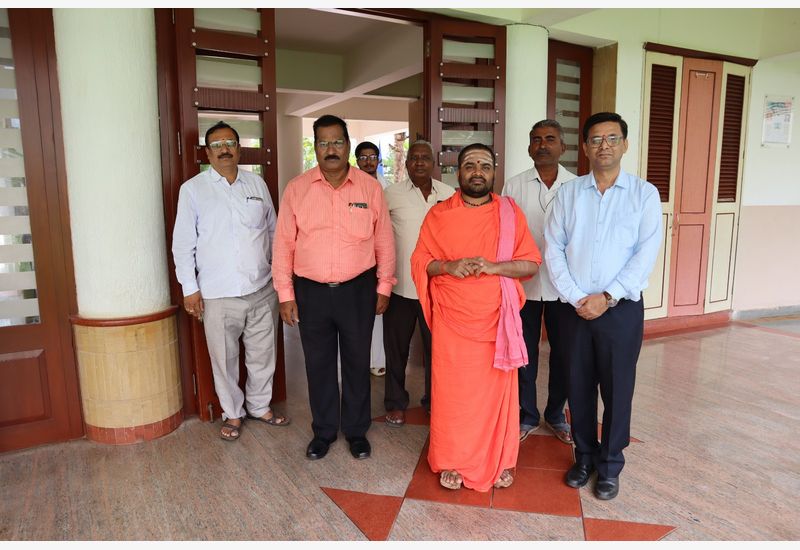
[472,250]
[602,237]
[409,201]
[334,271]
[221,245]
[534,191]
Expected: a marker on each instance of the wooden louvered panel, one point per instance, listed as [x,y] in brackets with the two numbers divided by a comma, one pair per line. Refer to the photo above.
[229,43]
[731,139]
[661,128]
[463,70]
[231,100]
[485,116]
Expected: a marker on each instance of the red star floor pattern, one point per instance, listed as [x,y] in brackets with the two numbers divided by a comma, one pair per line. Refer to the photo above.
[538,489]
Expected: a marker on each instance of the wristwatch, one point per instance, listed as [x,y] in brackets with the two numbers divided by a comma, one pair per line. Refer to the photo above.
[610,300]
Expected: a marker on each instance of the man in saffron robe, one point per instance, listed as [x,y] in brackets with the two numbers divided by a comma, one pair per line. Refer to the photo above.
[471,302]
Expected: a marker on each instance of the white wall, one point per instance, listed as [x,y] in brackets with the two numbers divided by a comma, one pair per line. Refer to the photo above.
[772,174]
[109,109]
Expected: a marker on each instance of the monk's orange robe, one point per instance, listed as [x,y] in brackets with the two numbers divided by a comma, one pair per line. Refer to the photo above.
[474,407]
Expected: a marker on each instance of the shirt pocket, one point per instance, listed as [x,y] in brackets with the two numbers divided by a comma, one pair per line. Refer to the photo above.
[255,214]
[358,224]
[626,229]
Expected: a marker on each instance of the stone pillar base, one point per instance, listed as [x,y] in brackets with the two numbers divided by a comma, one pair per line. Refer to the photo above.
[129,376]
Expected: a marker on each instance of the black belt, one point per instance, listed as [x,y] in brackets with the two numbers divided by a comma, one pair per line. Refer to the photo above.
[372,270]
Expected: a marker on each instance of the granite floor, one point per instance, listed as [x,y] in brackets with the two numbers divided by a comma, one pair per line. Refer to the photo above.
[715,456]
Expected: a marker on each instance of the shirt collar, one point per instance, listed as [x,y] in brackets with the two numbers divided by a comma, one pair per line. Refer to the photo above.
[622,180]
[316,175]
[216,176]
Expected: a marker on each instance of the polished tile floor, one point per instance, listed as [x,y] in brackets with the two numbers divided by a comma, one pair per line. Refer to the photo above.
[716,456]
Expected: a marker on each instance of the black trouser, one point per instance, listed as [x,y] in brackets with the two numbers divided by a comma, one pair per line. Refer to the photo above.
[398,328]
[531,314]
[603,352]
[333,317]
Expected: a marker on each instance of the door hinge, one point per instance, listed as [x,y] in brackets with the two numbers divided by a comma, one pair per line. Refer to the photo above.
[179,154]
[173,15]
[194,383]
[210,412]
[427,48]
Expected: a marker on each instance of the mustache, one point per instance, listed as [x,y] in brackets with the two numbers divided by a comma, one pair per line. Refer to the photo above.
[225,156]
[332,157]
[476,180]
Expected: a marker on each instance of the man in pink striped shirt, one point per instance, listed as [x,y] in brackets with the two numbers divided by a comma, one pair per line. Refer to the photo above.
[333,268]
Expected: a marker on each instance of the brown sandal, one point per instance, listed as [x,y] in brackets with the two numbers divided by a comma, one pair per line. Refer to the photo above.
[450,479]
[234,431]
[273,420]
[506,479]
[396,418]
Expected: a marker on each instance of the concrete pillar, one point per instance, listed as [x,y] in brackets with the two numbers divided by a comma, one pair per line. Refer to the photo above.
[290,146]
[526,91]
[125,332]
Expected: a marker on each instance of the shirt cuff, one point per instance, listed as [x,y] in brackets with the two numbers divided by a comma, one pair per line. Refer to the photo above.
[385,288]
[189,289]
[285,294]
[616,290]
[576,297]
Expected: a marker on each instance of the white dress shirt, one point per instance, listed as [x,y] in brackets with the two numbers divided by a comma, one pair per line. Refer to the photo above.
[532,195]
[407,209]
[225,232]
[603,242]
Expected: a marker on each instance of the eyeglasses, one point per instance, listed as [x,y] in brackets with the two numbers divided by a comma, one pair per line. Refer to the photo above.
[336,144]
[229,143]
[612,140]
[362,158]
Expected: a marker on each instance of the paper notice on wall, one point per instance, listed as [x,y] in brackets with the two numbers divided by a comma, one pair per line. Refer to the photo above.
[777,129]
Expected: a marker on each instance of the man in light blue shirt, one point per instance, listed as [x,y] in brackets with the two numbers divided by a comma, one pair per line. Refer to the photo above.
[603,236]
[222,249]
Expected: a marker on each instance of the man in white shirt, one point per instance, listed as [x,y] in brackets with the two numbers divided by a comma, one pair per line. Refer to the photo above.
[408,202]
[603,236]
[222,250]
[368,157]
[534,191]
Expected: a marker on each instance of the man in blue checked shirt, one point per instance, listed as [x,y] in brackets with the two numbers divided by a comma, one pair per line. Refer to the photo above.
[603,236]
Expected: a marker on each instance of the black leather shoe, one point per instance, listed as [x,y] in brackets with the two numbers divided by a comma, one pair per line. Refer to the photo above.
[578,475]
[359,447]
[317,449]
[607,488]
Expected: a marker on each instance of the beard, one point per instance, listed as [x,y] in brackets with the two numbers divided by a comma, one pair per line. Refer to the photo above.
[472,188]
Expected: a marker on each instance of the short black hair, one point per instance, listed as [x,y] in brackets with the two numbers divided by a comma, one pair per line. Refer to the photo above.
[330,120]
[367,145]
[598,118]
[221,125]
[472,147]
[549,123]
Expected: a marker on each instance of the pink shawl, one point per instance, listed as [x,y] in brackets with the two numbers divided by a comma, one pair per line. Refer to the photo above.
[510,351]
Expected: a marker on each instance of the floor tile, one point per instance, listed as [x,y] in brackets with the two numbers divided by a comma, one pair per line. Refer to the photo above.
[425,486]
[539,491]
[605,529]
[373,514]
[545,451]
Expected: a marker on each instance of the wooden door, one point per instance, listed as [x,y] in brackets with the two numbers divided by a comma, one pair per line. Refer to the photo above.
[697,158]
[466,75]
[214,64]
[569,97]
[39,400]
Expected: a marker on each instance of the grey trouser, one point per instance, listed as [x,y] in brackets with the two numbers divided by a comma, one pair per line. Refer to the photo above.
[255,318]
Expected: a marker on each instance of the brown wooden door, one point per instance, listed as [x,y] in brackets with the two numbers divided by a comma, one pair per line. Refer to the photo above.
[569,97]
[697,157]
[466,79]
[209,72]
[39,400]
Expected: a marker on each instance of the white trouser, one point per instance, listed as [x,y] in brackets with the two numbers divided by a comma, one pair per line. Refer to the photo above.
[255,318]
